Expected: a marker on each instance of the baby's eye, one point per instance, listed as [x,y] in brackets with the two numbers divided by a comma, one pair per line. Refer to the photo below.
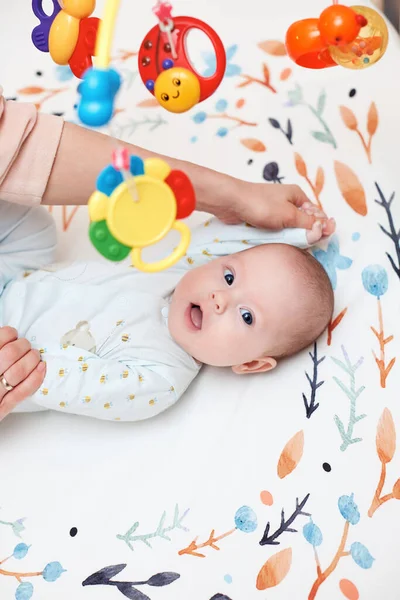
[164,97]
[246,316]
[176,82]
[229,276]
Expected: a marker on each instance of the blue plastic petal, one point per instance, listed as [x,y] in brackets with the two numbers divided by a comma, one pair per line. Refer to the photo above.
[137,166]
[108,180]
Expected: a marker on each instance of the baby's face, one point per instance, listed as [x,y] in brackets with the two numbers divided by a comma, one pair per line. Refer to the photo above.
[233,310]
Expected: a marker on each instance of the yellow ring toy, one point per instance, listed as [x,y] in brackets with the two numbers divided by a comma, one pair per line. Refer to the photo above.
[135,205]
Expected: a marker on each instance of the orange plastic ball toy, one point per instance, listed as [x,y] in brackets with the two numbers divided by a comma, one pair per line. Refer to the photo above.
[305,46]
[340,25]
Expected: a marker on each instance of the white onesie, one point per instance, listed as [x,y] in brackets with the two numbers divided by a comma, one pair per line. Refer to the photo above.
[102,328]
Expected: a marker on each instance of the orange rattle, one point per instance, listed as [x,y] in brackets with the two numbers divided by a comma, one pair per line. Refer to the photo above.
[353,37]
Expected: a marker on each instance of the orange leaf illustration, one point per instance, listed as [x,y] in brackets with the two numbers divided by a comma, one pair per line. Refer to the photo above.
[300,165]
[149,103]
[291,455]
[348,589]
[349,118]
[275,569]
[285,74]
[32,90]
[319,181]
[266,73]
[386,437]
[240,103]
[351,188]
[273,47]
[372,120]
[253,144]
[396,490]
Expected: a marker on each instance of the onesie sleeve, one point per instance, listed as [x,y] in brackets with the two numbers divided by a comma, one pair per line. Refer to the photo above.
[28,239]
[105,388]
[28,147]
[214,239]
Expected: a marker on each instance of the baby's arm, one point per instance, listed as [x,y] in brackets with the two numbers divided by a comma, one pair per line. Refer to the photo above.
[214,239]
[27,239]
[109,389]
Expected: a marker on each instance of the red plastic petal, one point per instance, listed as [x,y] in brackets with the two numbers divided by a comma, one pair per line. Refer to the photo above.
[182,187]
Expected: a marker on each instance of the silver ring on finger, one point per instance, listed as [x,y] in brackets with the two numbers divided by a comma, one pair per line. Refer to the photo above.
[5,384]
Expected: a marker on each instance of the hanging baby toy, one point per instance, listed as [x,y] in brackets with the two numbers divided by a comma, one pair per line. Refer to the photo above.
[164,65]
[353,37]
[135,205]
[68,34]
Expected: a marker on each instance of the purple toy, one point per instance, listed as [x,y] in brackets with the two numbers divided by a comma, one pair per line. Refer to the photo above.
[40,35]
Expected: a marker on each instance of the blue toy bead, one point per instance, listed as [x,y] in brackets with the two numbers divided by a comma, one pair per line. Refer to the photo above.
[136,166]
[167,63]
[98,90]
[108,180]
[150,84]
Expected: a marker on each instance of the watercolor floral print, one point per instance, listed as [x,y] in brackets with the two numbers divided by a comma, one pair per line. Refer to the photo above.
[280,129]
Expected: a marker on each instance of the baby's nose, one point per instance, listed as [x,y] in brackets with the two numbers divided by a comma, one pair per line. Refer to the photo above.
[219,301]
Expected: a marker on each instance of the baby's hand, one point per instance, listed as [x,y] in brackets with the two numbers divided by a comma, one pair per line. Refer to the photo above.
[324,227]
[21,370]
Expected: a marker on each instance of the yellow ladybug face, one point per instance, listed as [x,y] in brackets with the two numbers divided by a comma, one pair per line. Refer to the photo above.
[177,89]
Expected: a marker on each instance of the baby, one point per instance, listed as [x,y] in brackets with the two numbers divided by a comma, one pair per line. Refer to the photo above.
[124,345]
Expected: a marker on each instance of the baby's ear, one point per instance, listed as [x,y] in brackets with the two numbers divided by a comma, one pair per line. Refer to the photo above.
[260,365]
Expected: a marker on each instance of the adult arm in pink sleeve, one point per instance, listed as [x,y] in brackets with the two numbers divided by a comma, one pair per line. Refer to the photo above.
[43,159]
[28,147]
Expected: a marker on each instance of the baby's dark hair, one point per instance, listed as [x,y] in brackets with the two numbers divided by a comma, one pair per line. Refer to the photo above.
[317,303]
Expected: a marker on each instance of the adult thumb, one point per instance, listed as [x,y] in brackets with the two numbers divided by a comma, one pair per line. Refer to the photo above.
[298,219]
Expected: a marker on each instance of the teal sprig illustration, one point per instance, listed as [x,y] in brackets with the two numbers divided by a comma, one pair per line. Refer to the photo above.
[296,98]
[128,128]
[17,526]
[161,531]
[352,394]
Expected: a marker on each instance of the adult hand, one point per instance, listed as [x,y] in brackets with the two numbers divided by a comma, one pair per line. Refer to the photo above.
[21,370]
[271,206]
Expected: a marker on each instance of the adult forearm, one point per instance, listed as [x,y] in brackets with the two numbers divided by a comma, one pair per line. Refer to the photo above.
[82,154]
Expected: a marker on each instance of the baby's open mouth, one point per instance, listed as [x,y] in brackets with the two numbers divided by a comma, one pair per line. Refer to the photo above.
[196,316]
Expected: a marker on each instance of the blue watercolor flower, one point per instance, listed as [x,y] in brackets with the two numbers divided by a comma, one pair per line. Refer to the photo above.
[332,260]
[24,591]
[361,555]
[375,280]
[20,551]
[200,117]
[222,132]
[63,73]
[231,69]
[194,139]
[52,571]
[312,533]
[221,105]
[348,509]
[246,519]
